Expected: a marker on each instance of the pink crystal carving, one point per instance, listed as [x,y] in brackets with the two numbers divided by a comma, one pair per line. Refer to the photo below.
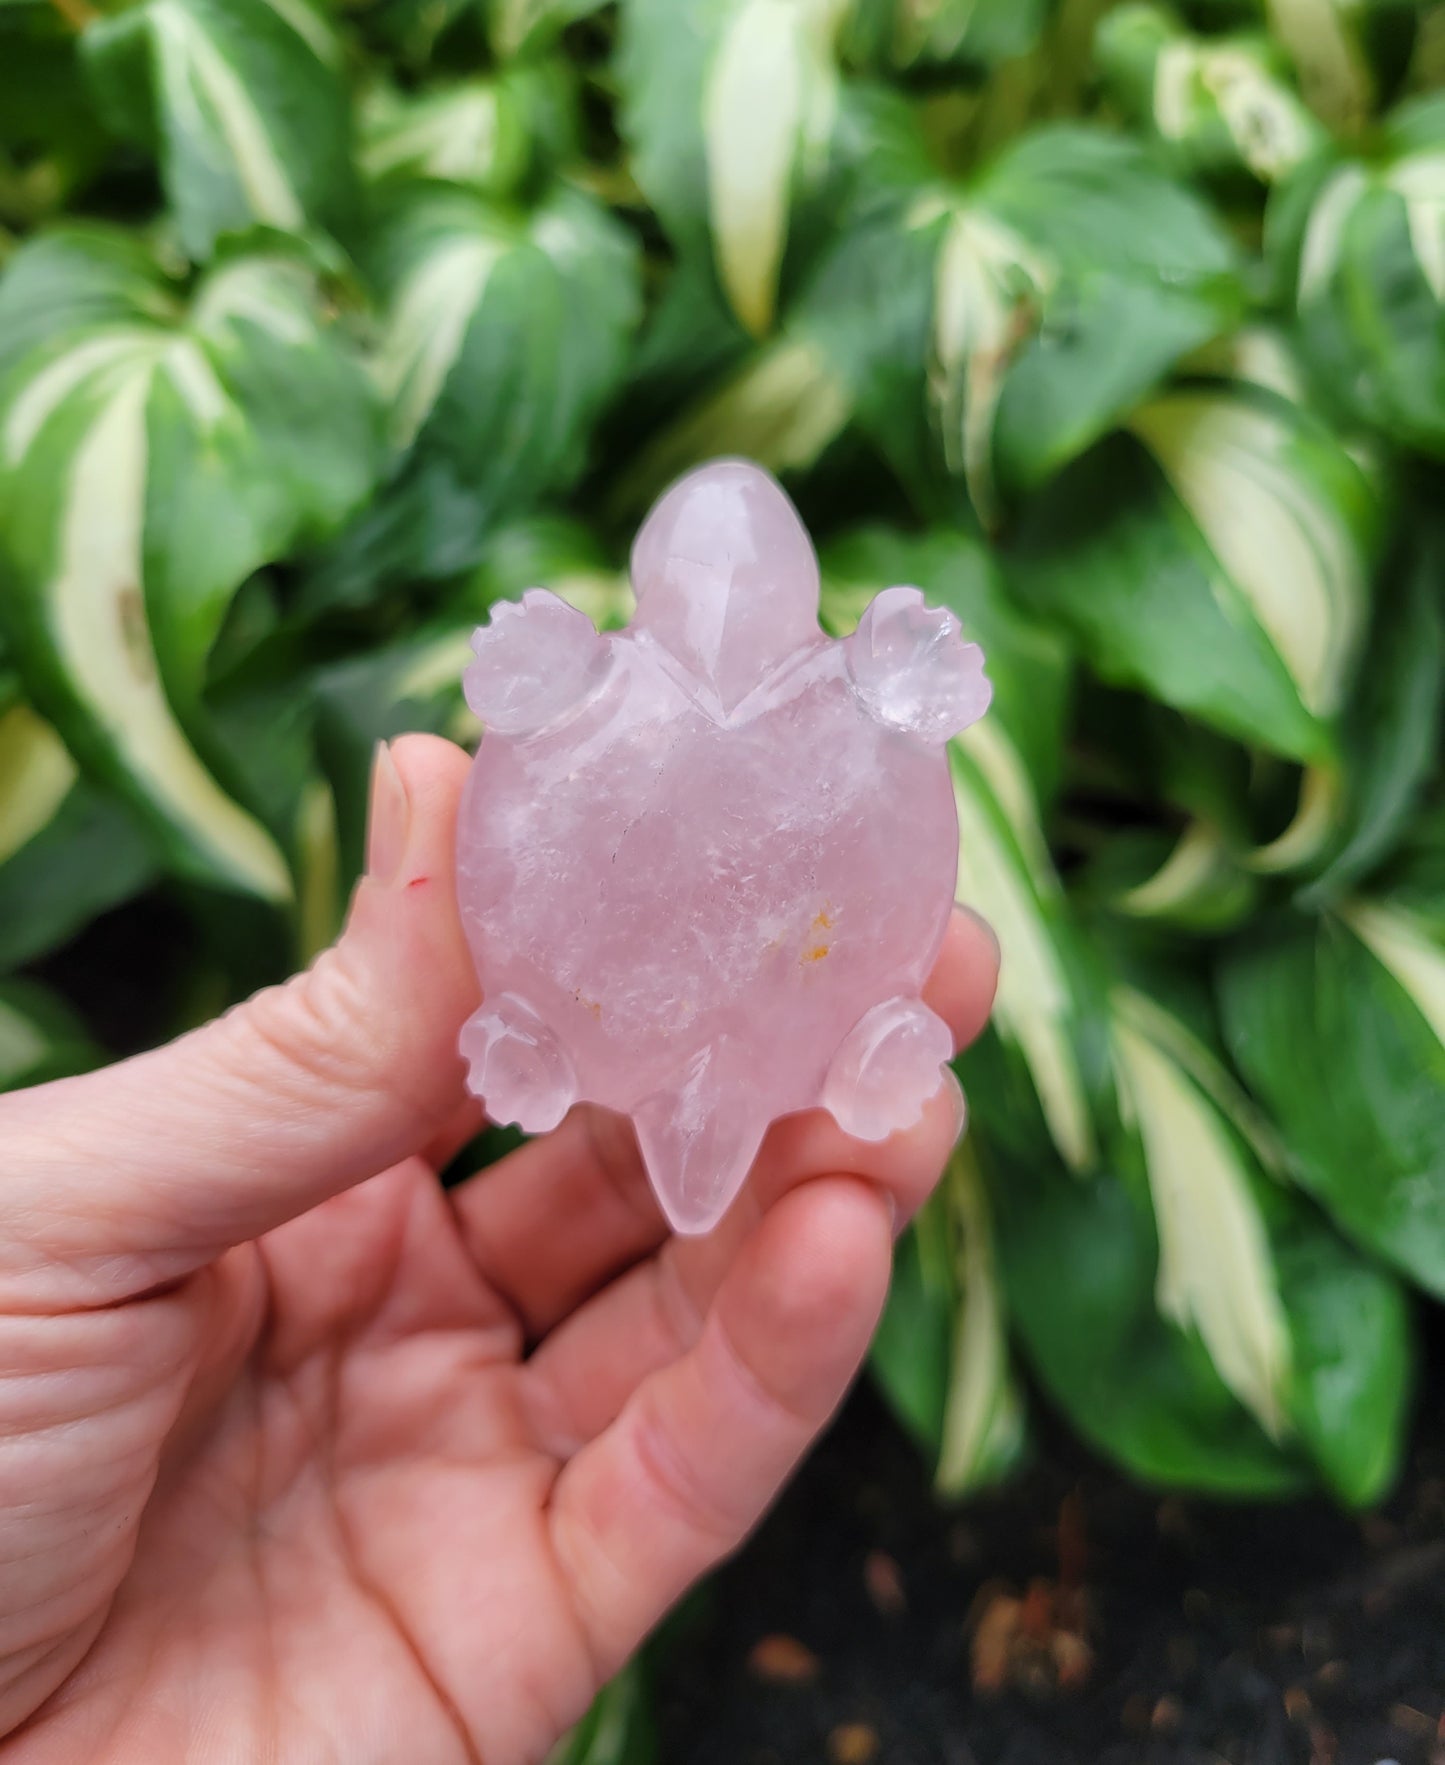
[706,863]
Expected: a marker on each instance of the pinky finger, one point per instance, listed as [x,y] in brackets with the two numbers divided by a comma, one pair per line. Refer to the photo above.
[702,1447]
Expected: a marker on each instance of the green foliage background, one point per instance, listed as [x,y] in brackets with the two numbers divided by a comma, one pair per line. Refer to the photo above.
[1119,330]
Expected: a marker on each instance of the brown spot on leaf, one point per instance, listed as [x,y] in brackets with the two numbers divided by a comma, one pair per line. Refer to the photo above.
[135,634]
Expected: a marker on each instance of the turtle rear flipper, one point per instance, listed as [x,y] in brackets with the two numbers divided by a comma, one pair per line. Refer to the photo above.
[886,1069]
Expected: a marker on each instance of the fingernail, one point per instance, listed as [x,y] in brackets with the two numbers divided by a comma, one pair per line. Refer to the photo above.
[960,1105]
[390,818]
[983,925]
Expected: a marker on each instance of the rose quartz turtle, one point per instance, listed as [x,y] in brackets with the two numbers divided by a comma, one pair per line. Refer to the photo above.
[706,863]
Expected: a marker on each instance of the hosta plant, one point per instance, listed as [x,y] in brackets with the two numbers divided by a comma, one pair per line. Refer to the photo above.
[1119,330]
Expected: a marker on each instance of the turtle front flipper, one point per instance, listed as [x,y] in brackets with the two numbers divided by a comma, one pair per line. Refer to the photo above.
[886,1069]
[912,669]
[700,1136]
[536,660]
[518,1067]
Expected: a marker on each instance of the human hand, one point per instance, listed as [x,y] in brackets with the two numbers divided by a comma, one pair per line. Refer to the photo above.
[299,1461]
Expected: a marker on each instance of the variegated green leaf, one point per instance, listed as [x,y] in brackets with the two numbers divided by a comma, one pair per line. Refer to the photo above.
[941,1352]
[151,457]
[246,103]
[475,295]
[1080,1262]
[1004,874]
[1195,1318]
[491,134]
[729,107]
[1219,556]
[67,852]
[36,775]
[989,292]
[1005,323]
[1217,104]
[1196,881]
[1215,1274]
[502,334]
[1290,525]
[1339,1024]
[1391,740]
[983,1417]
[1363,243]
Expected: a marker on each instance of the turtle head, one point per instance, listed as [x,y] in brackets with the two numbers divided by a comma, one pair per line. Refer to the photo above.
[726,577]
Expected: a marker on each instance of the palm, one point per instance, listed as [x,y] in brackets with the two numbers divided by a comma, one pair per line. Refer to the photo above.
[351,1547]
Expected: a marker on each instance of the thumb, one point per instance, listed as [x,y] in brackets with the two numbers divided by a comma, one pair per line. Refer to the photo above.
[125,1178]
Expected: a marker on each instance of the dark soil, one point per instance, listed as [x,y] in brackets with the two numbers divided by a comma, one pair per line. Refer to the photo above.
[1219,1635]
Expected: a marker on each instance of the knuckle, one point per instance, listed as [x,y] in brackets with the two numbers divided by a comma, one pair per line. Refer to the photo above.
[314,1032]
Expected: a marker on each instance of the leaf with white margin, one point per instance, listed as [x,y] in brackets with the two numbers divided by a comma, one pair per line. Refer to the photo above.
[68,850]
[1219,555]
[1007,321]
[729,109]
[989,290]
[490,133]
[1362,243]
[36,774]
[1195,1317]
[1339,1026]
[151,458]
[503,333]
[246,101]
[1217,104]
[1297,556]
[1215,1273]
[768,105]
[1037,1010]
[1196,883]
[983,1417]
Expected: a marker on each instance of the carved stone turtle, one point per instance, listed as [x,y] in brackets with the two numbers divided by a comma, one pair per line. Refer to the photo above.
[706,863]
